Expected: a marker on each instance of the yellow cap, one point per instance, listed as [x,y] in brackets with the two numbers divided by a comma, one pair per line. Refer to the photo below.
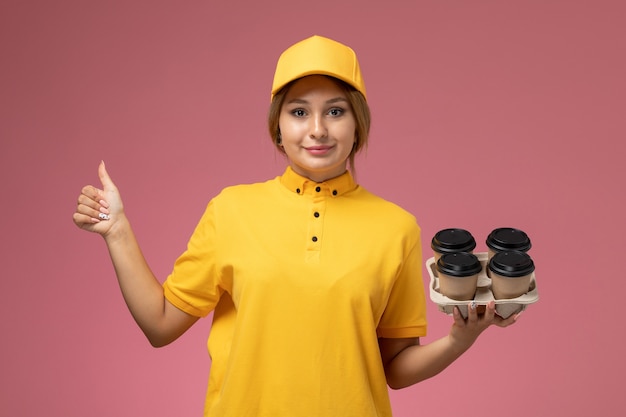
[318,55]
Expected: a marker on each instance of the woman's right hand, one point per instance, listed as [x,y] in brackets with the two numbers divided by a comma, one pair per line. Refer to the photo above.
[160,320]
[95,203]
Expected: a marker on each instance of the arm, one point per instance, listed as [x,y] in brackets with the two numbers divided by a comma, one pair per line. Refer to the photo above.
[407,362]
[160,321]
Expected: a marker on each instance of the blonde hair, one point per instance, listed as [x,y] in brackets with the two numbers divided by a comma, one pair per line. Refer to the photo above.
[359,106]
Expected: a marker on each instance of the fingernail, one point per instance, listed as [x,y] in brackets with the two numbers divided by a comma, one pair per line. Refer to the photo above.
[473,305]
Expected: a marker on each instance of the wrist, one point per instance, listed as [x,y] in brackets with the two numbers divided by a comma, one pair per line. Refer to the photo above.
[459,345]
[119,230]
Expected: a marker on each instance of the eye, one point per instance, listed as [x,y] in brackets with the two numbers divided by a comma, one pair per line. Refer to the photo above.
[335,111]
[298,112]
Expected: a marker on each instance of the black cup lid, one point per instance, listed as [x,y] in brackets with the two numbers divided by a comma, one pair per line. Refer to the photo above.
[511,264]
[508,238]
[459,264]
[453,240]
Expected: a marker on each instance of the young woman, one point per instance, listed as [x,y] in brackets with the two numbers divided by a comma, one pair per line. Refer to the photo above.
[315,283]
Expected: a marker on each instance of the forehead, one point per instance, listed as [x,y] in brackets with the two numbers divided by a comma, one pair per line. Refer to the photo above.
[316,86]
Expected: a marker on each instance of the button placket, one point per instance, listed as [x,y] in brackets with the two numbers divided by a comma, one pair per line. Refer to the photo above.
[317,218]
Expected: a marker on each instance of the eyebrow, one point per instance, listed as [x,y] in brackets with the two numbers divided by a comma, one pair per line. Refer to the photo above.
[331,101]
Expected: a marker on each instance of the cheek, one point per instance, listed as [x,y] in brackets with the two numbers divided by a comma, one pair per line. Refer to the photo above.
[291,129]
[284,125]
[349,132]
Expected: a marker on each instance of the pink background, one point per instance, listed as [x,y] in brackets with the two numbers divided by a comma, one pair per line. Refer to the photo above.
[486,114]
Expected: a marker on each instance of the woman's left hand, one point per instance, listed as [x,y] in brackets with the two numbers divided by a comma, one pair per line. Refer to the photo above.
[464,332]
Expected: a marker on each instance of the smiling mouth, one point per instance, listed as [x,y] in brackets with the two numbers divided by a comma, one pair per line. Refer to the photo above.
[318,150]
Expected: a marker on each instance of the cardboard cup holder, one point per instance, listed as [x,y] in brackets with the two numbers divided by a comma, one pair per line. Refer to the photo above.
[504,307]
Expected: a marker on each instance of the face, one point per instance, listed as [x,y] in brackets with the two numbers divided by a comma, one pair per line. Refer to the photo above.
[317,127]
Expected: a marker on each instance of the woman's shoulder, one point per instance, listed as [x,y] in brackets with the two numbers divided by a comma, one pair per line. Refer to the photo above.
[238,192]
[379,202]
[382,208]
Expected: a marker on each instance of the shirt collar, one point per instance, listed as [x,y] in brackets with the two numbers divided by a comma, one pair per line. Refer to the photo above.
[333,187]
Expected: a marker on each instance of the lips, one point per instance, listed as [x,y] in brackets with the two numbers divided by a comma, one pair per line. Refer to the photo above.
[318,150]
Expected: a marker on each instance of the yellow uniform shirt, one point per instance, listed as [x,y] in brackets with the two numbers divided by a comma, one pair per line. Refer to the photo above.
[303,277]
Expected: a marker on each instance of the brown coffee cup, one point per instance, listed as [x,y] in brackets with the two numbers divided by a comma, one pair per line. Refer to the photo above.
[452,240]
[505,239]
[511,273]
[458,275]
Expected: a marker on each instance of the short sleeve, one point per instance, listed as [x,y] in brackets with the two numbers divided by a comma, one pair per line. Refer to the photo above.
[194,286]
[405,313]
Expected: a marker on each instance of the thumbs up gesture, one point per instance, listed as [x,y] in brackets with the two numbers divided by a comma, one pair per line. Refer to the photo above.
[98,209]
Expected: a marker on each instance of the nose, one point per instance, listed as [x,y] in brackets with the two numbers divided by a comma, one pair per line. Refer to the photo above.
[318,127]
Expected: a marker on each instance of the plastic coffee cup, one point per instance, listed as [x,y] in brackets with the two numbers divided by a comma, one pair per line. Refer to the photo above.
[507,239]
[452,241]
[458,275]
[510,274]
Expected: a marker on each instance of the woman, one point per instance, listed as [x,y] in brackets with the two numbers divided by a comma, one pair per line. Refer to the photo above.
[314,282]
